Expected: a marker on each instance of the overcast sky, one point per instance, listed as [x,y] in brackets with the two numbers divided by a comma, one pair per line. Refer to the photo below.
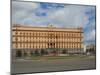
[60,15]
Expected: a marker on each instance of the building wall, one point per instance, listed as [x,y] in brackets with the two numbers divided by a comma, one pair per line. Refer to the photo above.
[31,38]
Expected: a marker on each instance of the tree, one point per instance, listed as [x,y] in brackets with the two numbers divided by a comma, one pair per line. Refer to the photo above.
[18,54]
[43,52]
[64,51]
[36,52]
[31,53]
[25,54]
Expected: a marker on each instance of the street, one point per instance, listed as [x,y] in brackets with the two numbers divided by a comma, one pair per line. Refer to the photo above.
[27,66]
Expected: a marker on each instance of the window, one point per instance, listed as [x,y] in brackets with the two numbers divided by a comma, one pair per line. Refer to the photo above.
[18,33]
[31,34]
[22,45]
[25,45]
[31,45]
[68,34]
[25,39]
[80,35]
[14,33]
[18,38]
[34,34]
[18,45]
[14,39]
[14,45]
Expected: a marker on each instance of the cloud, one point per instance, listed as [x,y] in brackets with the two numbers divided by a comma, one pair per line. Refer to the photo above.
[22,10]
[69,16]
[90,37]
[57,14]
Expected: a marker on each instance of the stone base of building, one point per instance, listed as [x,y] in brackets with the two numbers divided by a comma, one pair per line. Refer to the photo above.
[21,53]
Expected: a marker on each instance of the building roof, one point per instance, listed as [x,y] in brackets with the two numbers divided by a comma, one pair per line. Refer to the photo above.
[49,27]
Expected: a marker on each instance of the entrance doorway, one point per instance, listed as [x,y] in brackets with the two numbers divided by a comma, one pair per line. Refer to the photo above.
[51,45]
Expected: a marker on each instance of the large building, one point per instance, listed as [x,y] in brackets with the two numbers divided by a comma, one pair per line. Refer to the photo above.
[29,40]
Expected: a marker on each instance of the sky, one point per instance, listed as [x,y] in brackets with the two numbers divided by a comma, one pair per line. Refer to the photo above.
[59,15]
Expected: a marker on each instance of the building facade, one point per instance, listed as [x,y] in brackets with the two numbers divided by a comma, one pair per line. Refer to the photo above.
[27,40]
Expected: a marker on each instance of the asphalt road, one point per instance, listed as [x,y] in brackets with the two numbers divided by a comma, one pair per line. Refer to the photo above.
[27,66]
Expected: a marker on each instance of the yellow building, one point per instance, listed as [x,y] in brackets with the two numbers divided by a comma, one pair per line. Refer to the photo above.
[27,40]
